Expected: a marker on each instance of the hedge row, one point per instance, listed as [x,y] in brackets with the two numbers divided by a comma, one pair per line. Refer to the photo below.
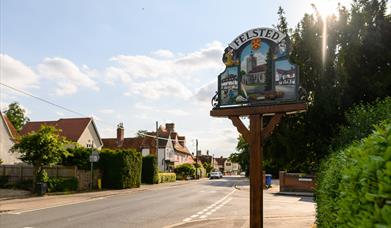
[354,185]
[62,185]
[150,170]
[166,177]
[120,169]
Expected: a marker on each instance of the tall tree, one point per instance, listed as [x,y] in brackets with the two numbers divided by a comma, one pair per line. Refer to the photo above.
[242,156]
[41,148]
[16,115]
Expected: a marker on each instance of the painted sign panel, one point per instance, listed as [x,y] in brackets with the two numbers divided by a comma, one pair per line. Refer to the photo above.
[257,70]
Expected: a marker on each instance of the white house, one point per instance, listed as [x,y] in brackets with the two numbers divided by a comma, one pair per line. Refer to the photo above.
[8,135]
[79,130]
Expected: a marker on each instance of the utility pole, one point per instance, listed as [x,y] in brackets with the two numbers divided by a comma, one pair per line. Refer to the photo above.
[196,158]
[157,146]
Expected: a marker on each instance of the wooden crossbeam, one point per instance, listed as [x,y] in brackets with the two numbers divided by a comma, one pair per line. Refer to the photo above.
[268,130]
[241,128]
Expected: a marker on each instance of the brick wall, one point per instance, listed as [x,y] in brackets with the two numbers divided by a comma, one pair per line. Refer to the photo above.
[296,182]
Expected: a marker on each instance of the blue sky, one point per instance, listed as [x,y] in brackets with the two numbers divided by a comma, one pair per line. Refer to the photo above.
[135,62]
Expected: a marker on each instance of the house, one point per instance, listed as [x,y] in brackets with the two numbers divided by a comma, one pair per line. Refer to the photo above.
[121,142]
[231,168]
[220,163]
[172,150]
[78,130]
[8,136]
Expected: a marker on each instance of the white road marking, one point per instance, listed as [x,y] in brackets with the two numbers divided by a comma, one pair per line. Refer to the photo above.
[211,209]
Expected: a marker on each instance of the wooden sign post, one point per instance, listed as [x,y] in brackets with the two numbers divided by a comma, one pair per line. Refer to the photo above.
[254,137]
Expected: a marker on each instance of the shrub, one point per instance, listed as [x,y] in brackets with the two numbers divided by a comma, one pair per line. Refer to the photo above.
[120,169]
[354,185]
[3,181]
[56,184]
[150,170]
[360,121]
[166,177]
[78,156]
[185,170]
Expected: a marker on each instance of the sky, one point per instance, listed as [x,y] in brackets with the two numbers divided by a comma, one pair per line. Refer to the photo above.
[134,62]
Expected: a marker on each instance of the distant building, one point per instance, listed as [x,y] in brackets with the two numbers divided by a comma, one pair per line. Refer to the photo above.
[82,131]
[255,74]
[8,137]
[286,77]
[121,142]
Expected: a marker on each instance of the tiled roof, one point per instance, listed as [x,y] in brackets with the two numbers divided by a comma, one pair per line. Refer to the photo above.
[71,128]
[11,129]
[128,143]
[220,161]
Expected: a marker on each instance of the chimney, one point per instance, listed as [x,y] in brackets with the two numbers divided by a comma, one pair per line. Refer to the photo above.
[170,127]
[120,134]
[182,140]
[207,152]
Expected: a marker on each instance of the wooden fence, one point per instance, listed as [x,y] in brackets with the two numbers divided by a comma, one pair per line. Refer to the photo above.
[18,173]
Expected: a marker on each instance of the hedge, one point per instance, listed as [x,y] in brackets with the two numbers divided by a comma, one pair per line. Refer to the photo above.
[78,156]
[150,170]
[166,177]
[62,185]
[120,169]
[184,170]
[354,185]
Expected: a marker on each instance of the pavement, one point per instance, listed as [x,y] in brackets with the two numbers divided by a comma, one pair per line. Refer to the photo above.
[201,203]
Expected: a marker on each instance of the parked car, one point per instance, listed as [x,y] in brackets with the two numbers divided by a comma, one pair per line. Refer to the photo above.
[215,175]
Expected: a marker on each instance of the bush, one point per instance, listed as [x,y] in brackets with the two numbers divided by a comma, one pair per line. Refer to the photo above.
[56,184]
[120,169]
[166,177]
[150,170]
[360,121]
[78,156]
[3,181]
[354,185]
[185,170]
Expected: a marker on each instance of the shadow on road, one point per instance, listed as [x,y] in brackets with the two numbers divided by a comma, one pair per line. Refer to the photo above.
[228,181]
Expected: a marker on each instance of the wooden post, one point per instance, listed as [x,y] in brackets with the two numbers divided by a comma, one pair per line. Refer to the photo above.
[256,188]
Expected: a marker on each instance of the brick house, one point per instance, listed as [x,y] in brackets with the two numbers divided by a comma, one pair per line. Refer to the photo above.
[82,131]
[172,150]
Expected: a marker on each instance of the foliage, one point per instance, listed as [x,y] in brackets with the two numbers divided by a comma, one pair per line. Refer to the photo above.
[242,156]
[1,161]
[43,176]
[16,115]
[208,167]
[166,177]
[150,170]
[354,185]
[44,147]
[78,156]
[3,181]
[120,169]
[360,121]
[185,170]
[62,185]
[355,69]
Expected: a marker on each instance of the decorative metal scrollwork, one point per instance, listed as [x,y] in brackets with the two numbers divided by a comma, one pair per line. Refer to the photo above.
[215,100]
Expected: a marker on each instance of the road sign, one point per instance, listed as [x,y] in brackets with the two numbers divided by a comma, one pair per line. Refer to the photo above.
[94,157]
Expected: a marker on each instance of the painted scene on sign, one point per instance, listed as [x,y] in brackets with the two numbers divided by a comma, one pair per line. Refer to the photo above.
[229,86]
[285,80]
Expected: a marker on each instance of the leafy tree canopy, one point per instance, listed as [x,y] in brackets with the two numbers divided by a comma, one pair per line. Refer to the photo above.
[16,115]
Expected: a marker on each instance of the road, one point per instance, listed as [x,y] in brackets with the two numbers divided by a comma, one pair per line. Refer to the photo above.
[159,207]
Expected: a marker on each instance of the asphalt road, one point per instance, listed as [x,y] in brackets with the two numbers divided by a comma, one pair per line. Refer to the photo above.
[160,207]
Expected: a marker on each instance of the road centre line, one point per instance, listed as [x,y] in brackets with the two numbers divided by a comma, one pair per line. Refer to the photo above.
[213,207]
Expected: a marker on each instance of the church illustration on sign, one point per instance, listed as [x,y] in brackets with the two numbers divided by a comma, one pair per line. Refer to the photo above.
[255,73]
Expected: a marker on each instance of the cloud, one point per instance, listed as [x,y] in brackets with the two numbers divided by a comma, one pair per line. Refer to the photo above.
[169,111]
[163,53]
[15,73]
[69,77]
[153,77]
[206,92]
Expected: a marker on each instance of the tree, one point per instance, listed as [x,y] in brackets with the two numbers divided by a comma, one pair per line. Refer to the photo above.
[208,167]
[41,148]
[242,156]
[16,115]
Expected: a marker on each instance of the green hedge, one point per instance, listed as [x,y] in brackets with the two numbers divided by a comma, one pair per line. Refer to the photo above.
[166,177]
[78,156]
[120,169]
[185,170]
[354,185]
[62,185]
[150,170]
